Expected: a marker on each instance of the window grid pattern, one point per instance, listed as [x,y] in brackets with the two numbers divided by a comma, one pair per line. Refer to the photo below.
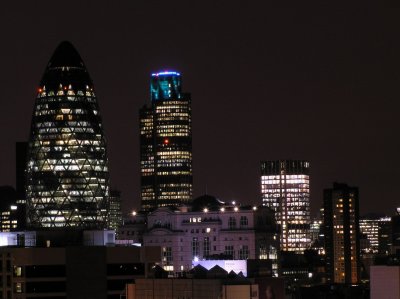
[166,145]
[285,187]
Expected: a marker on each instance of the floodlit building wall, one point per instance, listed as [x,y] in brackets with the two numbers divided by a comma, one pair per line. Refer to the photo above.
[385,282]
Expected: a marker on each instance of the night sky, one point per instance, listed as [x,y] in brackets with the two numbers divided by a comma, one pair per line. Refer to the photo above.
[269,80]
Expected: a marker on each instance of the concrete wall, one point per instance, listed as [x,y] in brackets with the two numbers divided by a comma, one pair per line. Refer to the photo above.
[176,288]
[385,282]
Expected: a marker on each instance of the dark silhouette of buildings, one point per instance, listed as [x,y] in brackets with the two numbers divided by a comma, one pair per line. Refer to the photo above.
[21,152]
[114,211]
[12,210]
[341,223]
[395,230]
[166,144]
[67,172]
[73,271]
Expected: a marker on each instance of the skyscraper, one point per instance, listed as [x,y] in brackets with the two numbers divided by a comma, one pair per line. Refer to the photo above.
[114,211]
[341,227]
[166,144]
[285,188]
[67,172]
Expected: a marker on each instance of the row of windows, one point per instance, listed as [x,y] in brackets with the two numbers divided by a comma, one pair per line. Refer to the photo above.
[67,91]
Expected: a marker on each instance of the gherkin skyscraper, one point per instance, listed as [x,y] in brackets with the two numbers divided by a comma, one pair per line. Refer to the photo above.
[67,171]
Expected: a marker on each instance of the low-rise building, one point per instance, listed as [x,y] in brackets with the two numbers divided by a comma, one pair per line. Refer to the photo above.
[70,263]
[211,229]
[215,283]
[72,272]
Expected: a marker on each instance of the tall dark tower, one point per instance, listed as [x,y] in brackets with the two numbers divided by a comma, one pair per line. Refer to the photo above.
[67,172]
[341,230]
[20,167]
[166,144]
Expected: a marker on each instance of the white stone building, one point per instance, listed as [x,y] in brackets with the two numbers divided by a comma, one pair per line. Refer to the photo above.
[212,230]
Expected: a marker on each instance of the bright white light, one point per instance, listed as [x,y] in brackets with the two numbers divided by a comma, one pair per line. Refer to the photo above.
[254,208]
[134,213]
[205,210]
[222,209]
[235,209]
[196,259]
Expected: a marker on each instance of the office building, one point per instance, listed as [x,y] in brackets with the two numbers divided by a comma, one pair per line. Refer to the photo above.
[115,210]
[341,228]
[285,188]
[12,210]
[385,241]
[166,144]
[72,271]
[374,229]
[67,172]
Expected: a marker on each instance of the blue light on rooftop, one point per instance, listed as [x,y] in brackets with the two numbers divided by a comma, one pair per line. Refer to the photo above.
[165,73]
[165,85]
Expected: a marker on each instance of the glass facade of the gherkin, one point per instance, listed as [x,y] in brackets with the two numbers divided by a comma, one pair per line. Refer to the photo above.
[67,171]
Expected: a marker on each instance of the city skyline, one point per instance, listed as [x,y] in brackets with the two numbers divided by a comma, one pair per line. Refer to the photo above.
[283,83]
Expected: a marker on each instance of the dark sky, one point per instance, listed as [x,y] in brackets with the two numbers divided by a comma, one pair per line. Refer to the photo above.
[269,80]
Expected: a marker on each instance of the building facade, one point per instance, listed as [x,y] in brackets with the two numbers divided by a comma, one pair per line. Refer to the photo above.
[67,172]
[395,233]
[166,144]
[285,188]
[12,210]
[115,210]
[131,232]
[385,282]
[72,271]
[374,229]
[193,288]
[341,229]
[226,233]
